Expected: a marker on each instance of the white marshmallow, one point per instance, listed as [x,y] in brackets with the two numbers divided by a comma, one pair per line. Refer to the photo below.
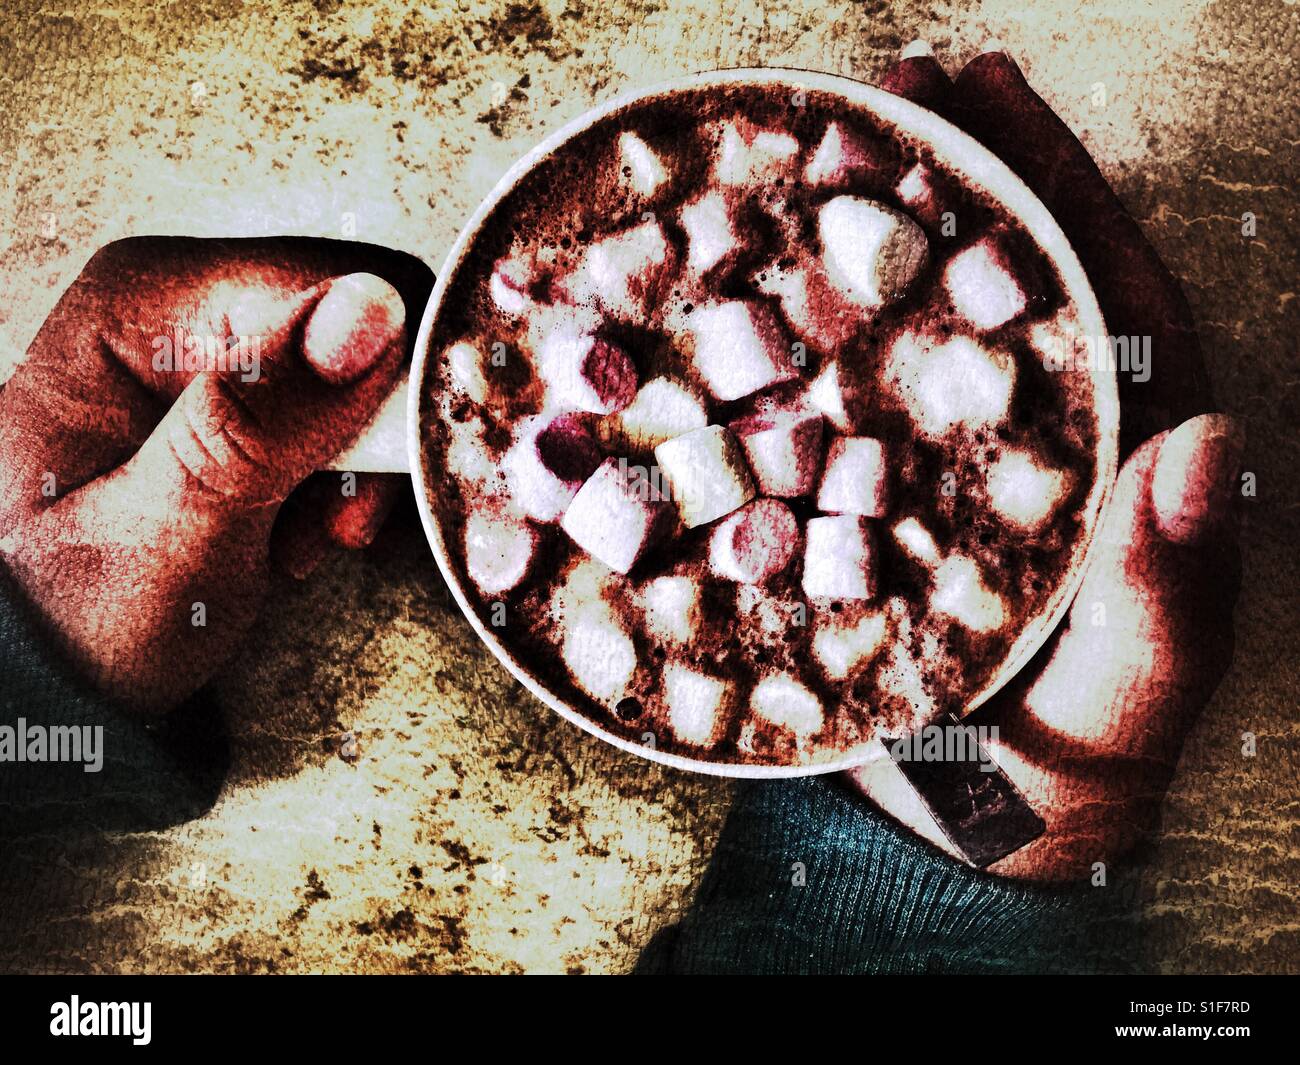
[694,703]
[600,654]
[956,383]
[826,395]
[499,548]
[509,299]
[706,471]
[663,408]
[709,232]
[509,285]
[841,649]
[981,288]
[837,157]
[961,594]
[783,701]
[815,309]
[855,480]
[1024,493]
[671,606]
[761,158]
[645,170]
[901,675]
[1059,343]
[540,494]
[621,272]
[465,364]
[609,520]
[468,455]
[914,186]
[784,451]
[839,559]
[738,348]
[872,252]
[585,373]
[754,543]
[915,539]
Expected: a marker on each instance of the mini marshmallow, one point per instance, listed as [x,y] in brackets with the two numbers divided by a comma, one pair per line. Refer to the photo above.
[783,701]
[918,190]
[839,558]
[541,495]
[956,383]
[499,548]
[784,450]
[671,606]
[872,252]
[760,157]
[509,299]
[710,234]
[663,408]
[754,543]
[961,594]
[1023,492]
[609,520]
[586,372]
[901,675]
[738,348]
[465,364]
[547,464]
[509,286]
[915,539]
[914,186]
[640,166]
[839,155]
[567,448]
[842,649]
[826,395]
[468,455]
[600,654]
[855,480]
[707,473]
[815,309]
[621,272]
[694,703]
[982,288]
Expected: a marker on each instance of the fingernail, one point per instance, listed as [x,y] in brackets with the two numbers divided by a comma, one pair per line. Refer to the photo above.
[916,50]
[356,527]
[356,320]
[1195,476]
[995,54]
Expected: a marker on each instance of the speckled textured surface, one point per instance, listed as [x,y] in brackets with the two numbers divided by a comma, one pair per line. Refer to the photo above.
[474,831]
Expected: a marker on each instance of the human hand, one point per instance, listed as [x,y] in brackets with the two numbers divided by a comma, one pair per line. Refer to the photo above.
[142,503]
[1091,730]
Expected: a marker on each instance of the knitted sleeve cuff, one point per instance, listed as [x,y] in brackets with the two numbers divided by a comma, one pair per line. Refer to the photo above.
[69,761]
[807,878]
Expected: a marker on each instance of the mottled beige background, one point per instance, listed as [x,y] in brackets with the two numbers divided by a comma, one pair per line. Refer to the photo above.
[477,832]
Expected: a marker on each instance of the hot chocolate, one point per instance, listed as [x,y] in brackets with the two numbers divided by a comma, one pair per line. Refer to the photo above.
[739,432]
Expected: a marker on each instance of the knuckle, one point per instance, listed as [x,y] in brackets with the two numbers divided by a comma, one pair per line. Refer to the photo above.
[217,444]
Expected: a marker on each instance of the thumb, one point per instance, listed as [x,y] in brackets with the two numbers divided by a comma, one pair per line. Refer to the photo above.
[1150,633]
[150,574]
[312,370]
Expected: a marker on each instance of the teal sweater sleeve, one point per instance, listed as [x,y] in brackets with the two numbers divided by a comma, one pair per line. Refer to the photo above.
[807,878]
[149,776]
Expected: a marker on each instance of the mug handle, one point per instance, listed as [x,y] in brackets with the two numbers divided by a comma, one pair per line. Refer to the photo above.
[381,445]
